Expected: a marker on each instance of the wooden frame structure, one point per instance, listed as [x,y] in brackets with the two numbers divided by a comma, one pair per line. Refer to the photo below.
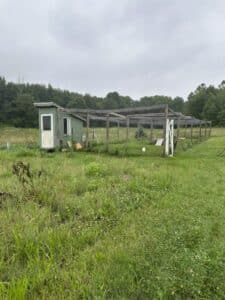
[156,115]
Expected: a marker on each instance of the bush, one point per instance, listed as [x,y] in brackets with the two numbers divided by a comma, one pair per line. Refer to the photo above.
[140,133]
[94,169]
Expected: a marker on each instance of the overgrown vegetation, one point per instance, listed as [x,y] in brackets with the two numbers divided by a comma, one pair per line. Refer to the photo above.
[103,227]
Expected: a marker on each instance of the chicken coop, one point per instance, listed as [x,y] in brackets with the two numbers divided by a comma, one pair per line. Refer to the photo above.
[57,126]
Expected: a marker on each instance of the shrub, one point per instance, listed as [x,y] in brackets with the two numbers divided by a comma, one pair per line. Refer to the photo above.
[95,169]
[140,133]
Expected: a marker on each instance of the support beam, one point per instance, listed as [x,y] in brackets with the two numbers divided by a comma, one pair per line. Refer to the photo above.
[118,130]
[200,130]
[210,128]
[191,132]
[127,131]
[151,133]
[165,131]
[87,130]
[118,115]
[185,131]
[205,123]
[107,133]
[178,129]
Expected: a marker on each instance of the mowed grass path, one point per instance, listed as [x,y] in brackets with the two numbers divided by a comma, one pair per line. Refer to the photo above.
[101,227]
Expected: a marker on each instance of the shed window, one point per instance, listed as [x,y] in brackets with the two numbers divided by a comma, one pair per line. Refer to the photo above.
[65,126]
[46,122]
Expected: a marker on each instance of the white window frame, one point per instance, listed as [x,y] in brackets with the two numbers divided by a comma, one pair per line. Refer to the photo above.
[46,115]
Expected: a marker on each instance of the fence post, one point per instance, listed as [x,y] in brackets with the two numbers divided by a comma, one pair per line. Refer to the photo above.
[200,130]
[107,133]
[178,129]
[127,131]
[151,134]
[87,130]
[165,131]
[185,130]
[191,131]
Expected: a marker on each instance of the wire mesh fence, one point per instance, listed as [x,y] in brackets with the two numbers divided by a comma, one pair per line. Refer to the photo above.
[141,139]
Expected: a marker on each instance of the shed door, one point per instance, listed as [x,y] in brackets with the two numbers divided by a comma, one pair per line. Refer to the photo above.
[47,134]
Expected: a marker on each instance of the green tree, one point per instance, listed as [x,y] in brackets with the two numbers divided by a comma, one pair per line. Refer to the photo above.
[23,112]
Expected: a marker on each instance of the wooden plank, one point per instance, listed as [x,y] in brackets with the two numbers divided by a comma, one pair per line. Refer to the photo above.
[127,131]
[151,133]
[120,110]
[200,130]
[118,115]
[210,128]
[165,125]
[185,130]
[205,129]
[178,129]
[107,133]
[87,131]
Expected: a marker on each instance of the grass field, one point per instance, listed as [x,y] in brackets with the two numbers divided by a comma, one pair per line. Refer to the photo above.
[91,226]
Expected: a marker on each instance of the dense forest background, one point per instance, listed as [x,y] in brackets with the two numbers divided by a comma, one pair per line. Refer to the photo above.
[16,102]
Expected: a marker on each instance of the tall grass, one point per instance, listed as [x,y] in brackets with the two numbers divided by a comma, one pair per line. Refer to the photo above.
[104,227]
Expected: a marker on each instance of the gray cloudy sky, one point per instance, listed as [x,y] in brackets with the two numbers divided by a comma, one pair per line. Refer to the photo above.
[135,47]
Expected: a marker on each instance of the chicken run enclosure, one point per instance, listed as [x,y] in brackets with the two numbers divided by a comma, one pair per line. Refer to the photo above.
[154,130]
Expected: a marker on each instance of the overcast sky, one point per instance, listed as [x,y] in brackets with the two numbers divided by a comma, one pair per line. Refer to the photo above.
[135,47]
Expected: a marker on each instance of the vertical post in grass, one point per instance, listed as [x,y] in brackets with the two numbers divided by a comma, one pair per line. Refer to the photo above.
[200,130]
[127,131]
[185,128]
[87,130]
[191,132]
[93,134]
[178,129]
[118,130]
[165,130]
[107,133]
[151,133]
[205,123]
[210,127]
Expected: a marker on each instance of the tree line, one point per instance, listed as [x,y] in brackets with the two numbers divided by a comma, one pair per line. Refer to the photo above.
[16,102]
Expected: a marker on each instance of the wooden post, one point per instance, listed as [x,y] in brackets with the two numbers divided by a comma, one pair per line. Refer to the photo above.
[127,131]
[191,131]
[200,130]
[118,130]
[185,130]
[87,130]
[165,131]
[178,129]
[107,133]
[210,127]
[205,129]
[151,133]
